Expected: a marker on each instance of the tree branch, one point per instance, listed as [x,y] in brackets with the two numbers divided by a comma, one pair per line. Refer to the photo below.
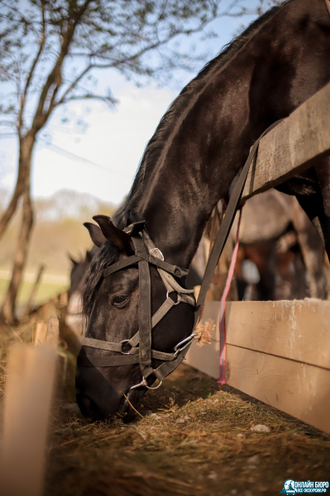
[88,96]
[160,42]
[73,85]
[31,72]
[54,79]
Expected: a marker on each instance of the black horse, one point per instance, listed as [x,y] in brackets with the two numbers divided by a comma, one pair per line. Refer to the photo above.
[198,148]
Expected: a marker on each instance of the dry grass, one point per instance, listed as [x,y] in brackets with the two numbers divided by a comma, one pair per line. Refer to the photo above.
[192,439]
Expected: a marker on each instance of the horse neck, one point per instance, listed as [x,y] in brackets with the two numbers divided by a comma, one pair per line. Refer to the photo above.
[196,167]
[209,137]
[188,180]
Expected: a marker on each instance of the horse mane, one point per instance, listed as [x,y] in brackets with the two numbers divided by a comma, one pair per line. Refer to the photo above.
[102,257]
[155,145]
[107,254]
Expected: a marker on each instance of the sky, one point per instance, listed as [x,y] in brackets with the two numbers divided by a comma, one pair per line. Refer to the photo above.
[102,159]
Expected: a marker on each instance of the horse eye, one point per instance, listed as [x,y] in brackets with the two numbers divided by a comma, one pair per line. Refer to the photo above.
[119,300]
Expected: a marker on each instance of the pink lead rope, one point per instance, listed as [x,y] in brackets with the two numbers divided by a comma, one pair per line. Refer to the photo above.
[222,322]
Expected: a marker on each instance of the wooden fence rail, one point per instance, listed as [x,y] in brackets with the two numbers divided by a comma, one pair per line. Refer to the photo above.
[297,143]
[278,352]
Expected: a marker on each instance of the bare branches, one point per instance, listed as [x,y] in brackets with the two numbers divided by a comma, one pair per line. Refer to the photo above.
[33,67]
[117,35]
[108,99]
[64,98]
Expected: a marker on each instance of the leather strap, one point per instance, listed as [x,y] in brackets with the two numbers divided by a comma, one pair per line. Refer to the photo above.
[107,345]
[226,224]
[145,327]
[134,259]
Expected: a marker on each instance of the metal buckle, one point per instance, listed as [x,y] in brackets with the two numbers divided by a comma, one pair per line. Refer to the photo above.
[158,252]
[144,383]
[182,345]
[123,343]
[178,297]
[134,228]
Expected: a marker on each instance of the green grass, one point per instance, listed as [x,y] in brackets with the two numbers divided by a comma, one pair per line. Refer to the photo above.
[46,291]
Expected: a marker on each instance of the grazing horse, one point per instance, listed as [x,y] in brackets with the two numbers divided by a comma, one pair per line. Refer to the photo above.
[140,316]
[74,315]
[277,236]
[266,218]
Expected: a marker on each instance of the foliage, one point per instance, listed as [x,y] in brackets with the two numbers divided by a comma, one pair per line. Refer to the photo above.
[50,48]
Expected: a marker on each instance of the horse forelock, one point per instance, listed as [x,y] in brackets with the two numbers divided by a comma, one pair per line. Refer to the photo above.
[104,257]
[180,107]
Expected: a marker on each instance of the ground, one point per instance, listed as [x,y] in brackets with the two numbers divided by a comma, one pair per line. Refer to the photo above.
[189,438]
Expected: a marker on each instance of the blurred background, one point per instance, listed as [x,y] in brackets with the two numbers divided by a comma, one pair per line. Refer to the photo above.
[83,85]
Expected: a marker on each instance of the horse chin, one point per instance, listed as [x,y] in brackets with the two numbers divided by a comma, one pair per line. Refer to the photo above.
[127,409]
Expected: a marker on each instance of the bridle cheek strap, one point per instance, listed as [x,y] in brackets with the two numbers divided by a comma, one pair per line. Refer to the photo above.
[145,326]
[138,349]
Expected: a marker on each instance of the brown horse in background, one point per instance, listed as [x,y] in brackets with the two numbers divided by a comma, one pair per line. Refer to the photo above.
[279,239]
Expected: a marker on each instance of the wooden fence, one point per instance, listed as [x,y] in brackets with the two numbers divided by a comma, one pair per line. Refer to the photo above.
[279,352]
[28,394]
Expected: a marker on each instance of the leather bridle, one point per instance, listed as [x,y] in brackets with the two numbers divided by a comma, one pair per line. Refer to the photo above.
[138,349]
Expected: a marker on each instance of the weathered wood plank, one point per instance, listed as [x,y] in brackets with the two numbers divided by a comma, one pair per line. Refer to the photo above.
[277,352]
[298,330]
[300,390]
[47,333]
[295,144]
[28,393]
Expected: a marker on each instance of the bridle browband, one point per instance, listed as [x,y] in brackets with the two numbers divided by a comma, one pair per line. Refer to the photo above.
[138,349]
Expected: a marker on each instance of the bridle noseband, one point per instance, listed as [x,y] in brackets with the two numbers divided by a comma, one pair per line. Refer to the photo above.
[138,349]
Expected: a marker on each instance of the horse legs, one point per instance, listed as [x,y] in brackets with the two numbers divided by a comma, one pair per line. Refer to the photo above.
[323,176]
[317,205]
[263,256]
[312,250]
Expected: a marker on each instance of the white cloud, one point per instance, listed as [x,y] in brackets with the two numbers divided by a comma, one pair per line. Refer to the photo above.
[113,145]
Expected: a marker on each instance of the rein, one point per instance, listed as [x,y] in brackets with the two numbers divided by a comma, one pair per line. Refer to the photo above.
[227,222]
[138,349]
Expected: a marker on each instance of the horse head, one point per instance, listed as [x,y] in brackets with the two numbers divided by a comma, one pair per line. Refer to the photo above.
[78,271]
[140,320]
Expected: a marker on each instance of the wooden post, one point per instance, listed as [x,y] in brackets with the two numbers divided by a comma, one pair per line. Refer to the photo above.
[33,291]
[47,333]
[28,393]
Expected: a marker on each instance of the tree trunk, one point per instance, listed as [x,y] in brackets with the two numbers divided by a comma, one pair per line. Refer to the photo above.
[24,166]
[9,305]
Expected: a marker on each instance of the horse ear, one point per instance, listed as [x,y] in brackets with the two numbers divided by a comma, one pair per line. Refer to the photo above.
[72,259]
[118,238]
[88,256]
[95,233]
